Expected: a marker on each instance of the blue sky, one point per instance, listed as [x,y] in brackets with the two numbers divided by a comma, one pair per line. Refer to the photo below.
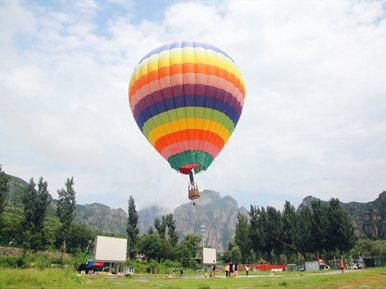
[313,122]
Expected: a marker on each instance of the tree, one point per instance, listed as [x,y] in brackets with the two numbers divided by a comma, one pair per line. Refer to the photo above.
[4,179]
[160,226]
[34,214]
[242,237]
[132,227]
[150,245]
[304,239]
[290,227]
[341,230]
[172,234]
[65,211]
[189,246]
[274,229]
[319,226]
[258,237]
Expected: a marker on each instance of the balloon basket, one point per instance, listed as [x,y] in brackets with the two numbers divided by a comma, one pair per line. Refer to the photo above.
[194,193]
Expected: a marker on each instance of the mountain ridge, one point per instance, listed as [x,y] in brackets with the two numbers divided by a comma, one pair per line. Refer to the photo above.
[218,214]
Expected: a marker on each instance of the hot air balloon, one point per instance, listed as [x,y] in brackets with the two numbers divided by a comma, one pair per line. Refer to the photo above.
[187,97]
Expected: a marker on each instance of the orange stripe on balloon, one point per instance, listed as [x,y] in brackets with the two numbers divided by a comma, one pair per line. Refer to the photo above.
[188,134]
[185,68]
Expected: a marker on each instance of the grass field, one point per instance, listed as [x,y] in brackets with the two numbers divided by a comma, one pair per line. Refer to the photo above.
[59,278]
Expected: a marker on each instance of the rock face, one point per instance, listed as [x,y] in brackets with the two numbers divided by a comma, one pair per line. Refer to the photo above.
[368,218]
[102,217]
[218,215]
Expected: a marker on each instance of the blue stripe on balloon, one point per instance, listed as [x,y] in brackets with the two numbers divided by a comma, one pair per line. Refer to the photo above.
[186,101]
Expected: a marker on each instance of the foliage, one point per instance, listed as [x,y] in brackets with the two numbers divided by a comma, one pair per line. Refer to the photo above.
[321,229]
[189,246]
[34,214]
[66,206]
[132,227]
[4,179]
[241,238]
[65,211]
[368,247]
[150,245]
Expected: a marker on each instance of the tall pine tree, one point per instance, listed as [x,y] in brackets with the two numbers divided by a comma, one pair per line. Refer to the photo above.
[4,179]
[34,214]
[132,228]
[65,211]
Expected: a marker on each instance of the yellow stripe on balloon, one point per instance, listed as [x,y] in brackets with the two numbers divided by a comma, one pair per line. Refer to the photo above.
[208,57]
[187,123]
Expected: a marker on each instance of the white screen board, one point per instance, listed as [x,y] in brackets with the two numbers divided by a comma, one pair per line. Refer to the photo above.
[110,249]
[209,256]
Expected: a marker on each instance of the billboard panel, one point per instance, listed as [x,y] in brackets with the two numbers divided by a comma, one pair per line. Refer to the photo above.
[209,256]
[109,249]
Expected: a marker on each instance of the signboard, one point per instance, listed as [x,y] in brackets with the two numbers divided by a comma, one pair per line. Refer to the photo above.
[209,256]
[109,249]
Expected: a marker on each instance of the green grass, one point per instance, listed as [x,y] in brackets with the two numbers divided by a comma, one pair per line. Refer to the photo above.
[61,278]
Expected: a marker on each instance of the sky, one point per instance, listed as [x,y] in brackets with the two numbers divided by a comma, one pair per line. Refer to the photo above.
[314,117]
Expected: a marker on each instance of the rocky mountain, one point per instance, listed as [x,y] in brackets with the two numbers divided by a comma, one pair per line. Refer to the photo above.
[102,217]
[213,217]
[218,215]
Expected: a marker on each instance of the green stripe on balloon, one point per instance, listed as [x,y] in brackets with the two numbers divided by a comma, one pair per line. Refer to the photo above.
[191,157]
[188,112]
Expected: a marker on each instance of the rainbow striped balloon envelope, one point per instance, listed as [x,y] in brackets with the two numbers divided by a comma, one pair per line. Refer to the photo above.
[187,97]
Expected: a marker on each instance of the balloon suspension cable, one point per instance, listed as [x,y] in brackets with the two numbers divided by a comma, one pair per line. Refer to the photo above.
[193,192]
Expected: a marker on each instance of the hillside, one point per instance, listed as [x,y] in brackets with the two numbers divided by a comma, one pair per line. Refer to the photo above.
[217,213]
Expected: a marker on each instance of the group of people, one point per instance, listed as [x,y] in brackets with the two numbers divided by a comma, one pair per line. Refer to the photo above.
[231,270]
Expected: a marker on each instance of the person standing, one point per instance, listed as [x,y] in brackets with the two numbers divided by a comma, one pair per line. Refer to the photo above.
[231,269]
[247,270]
[236,270]
[214,268]
[342,265]
[181,270]
[227,270]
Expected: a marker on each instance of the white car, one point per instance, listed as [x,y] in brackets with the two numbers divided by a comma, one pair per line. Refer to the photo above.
[324,266]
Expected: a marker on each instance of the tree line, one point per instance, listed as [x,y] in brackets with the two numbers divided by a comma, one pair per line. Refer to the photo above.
[278,236]
[266,234]
[34,229]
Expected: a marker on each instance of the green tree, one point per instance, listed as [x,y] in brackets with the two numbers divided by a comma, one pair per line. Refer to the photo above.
[235,254]
[65,212]
[190,246]
[132,228]
[150,245]
[304,239]
[4,179]
[242,238]
[319,226]
[172,234]
[160,226]
[274,229]
[290,228]
[34,214]
[80,237]
[258,237]
[341,230]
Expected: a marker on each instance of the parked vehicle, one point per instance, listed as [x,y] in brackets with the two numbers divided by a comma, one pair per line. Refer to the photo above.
[90,265]
[301,268]
[324,266]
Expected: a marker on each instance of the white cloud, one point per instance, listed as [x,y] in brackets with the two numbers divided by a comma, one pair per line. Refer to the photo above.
[313,121]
